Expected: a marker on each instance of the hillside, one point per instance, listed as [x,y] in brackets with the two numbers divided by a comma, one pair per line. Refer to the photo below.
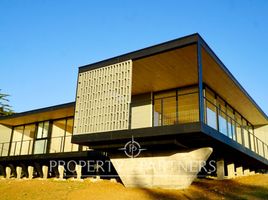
[251,187]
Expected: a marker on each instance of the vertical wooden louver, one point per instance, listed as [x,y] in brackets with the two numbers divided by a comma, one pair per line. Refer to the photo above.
[103,99]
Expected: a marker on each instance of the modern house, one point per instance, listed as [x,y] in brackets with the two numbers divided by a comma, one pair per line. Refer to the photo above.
[175,101]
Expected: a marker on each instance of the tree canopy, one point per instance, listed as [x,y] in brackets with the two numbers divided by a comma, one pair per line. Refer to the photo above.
[5,108]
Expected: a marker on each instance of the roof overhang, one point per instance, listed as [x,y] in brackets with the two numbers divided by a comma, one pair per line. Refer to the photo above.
[43,114]
[174,64]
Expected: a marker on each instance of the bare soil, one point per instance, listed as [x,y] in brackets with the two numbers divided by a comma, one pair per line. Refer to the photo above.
[250,187]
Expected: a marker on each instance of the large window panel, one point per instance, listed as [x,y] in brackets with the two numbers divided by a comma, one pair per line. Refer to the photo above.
[5,136]
[188,107]
[16,140]
[231,123]
[239,133]
[57,136]
[28,137]
[222,117]
[40,146]
[211,115]
[68,146]
[245,133]
[157,112]
[169,111]
[211,109]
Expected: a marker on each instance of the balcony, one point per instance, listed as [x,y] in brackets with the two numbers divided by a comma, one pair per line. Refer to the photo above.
[180,108]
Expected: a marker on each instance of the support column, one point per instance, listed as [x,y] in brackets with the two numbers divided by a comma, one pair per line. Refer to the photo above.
[61,172]
[239,171]
[45,171]
[30,172]
[220,169]
[246,172]
[78,169]
[231,170]
[252,173]
[8,172]
[18,171]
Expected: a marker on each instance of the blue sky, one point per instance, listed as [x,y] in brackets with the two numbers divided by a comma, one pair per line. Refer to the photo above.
[42,43]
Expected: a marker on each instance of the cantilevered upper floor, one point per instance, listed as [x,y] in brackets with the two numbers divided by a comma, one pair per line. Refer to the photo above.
[169,86]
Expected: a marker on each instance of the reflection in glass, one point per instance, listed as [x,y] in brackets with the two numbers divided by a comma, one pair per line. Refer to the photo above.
[16,140]
[40,146]
[57,136]
[28,137]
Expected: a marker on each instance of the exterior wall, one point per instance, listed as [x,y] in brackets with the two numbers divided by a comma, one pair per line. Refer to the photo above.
[5,135]
[262,133]
[103,99]
[141,111]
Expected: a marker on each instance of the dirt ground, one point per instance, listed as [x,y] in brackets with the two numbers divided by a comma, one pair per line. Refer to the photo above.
[251,187]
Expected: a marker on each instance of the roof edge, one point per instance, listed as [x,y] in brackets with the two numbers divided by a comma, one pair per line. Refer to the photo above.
[144,52]
[39,110]
[227,71]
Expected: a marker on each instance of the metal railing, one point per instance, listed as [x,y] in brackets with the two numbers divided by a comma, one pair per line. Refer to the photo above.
[234,130]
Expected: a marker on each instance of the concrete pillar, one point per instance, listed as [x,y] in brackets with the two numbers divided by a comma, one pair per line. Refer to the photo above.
[231,170]
[220,169]
[61,171]
[45,171]
[171,171]
[18,171]
[78,169]
[30,172]
[239,171]
[251,172]
[8,172]
[246,172]
[113,180]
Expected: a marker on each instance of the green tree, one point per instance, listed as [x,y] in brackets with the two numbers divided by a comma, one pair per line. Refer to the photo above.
[5,108]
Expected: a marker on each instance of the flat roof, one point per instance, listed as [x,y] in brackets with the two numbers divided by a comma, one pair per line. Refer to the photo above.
[42,114]
[172,45]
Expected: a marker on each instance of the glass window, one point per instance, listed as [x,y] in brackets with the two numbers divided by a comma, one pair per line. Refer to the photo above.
[5,136]
[28,136]
[57,136]
[238,120]
[68,146]
[222,116]
[211,115]
[45,129]
[231,123]
[245,133]
[40,145]
[211,109]
[40,130]
[16,140]
[188,108]
[169,111]
[157,112]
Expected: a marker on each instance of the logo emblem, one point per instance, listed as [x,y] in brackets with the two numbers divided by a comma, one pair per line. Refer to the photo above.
[132,148]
